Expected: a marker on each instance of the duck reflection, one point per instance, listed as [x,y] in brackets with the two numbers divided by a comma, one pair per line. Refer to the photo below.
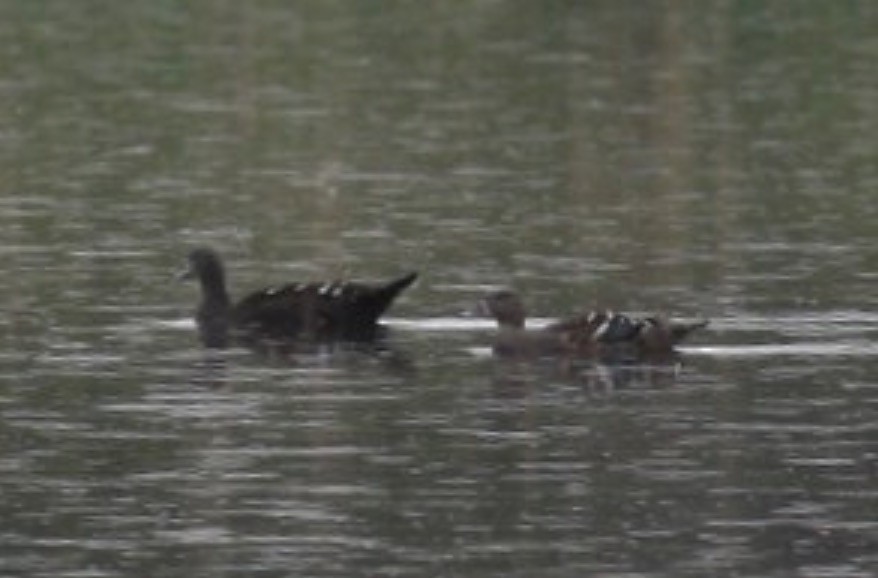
[593,377]
[384,354]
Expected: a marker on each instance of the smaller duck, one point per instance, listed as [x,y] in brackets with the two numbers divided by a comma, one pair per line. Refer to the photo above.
[322,311]
[599,334]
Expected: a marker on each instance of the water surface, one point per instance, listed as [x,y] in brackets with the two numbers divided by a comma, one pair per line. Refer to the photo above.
[710,160]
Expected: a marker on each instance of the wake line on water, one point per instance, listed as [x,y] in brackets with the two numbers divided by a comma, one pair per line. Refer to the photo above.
[811,348]
[828,324]
[839,325]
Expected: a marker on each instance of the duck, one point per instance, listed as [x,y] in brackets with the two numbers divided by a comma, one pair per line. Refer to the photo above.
[312,311]
[601,334]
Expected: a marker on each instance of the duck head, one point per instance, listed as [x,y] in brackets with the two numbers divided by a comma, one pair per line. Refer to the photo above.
[505,306]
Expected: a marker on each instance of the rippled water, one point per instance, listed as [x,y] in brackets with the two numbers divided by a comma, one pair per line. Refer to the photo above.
[714,160]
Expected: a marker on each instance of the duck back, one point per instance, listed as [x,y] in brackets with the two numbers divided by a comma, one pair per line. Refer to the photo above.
[320,311]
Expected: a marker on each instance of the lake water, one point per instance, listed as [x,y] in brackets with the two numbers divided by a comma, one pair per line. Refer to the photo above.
[709,159]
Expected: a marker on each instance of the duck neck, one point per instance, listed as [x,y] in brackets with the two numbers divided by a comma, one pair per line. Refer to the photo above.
[213,289]
[213,316]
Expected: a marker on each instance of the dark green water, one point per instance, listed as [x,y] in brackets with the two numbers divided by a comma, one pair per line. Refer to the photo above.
[702,159]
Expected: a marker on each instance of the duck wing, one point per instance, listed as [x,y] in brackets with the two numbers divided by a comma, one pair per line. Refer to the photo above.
[322,311]
[604,326]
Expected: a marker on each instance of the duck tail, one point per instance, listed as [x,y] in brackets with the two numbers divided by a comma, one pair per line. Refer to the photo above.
[383,296]
[681,330]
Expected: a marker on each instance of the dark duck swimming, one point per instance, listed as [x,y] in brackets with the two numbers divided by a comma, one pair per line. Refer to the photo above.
[599,334]
[317,311]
